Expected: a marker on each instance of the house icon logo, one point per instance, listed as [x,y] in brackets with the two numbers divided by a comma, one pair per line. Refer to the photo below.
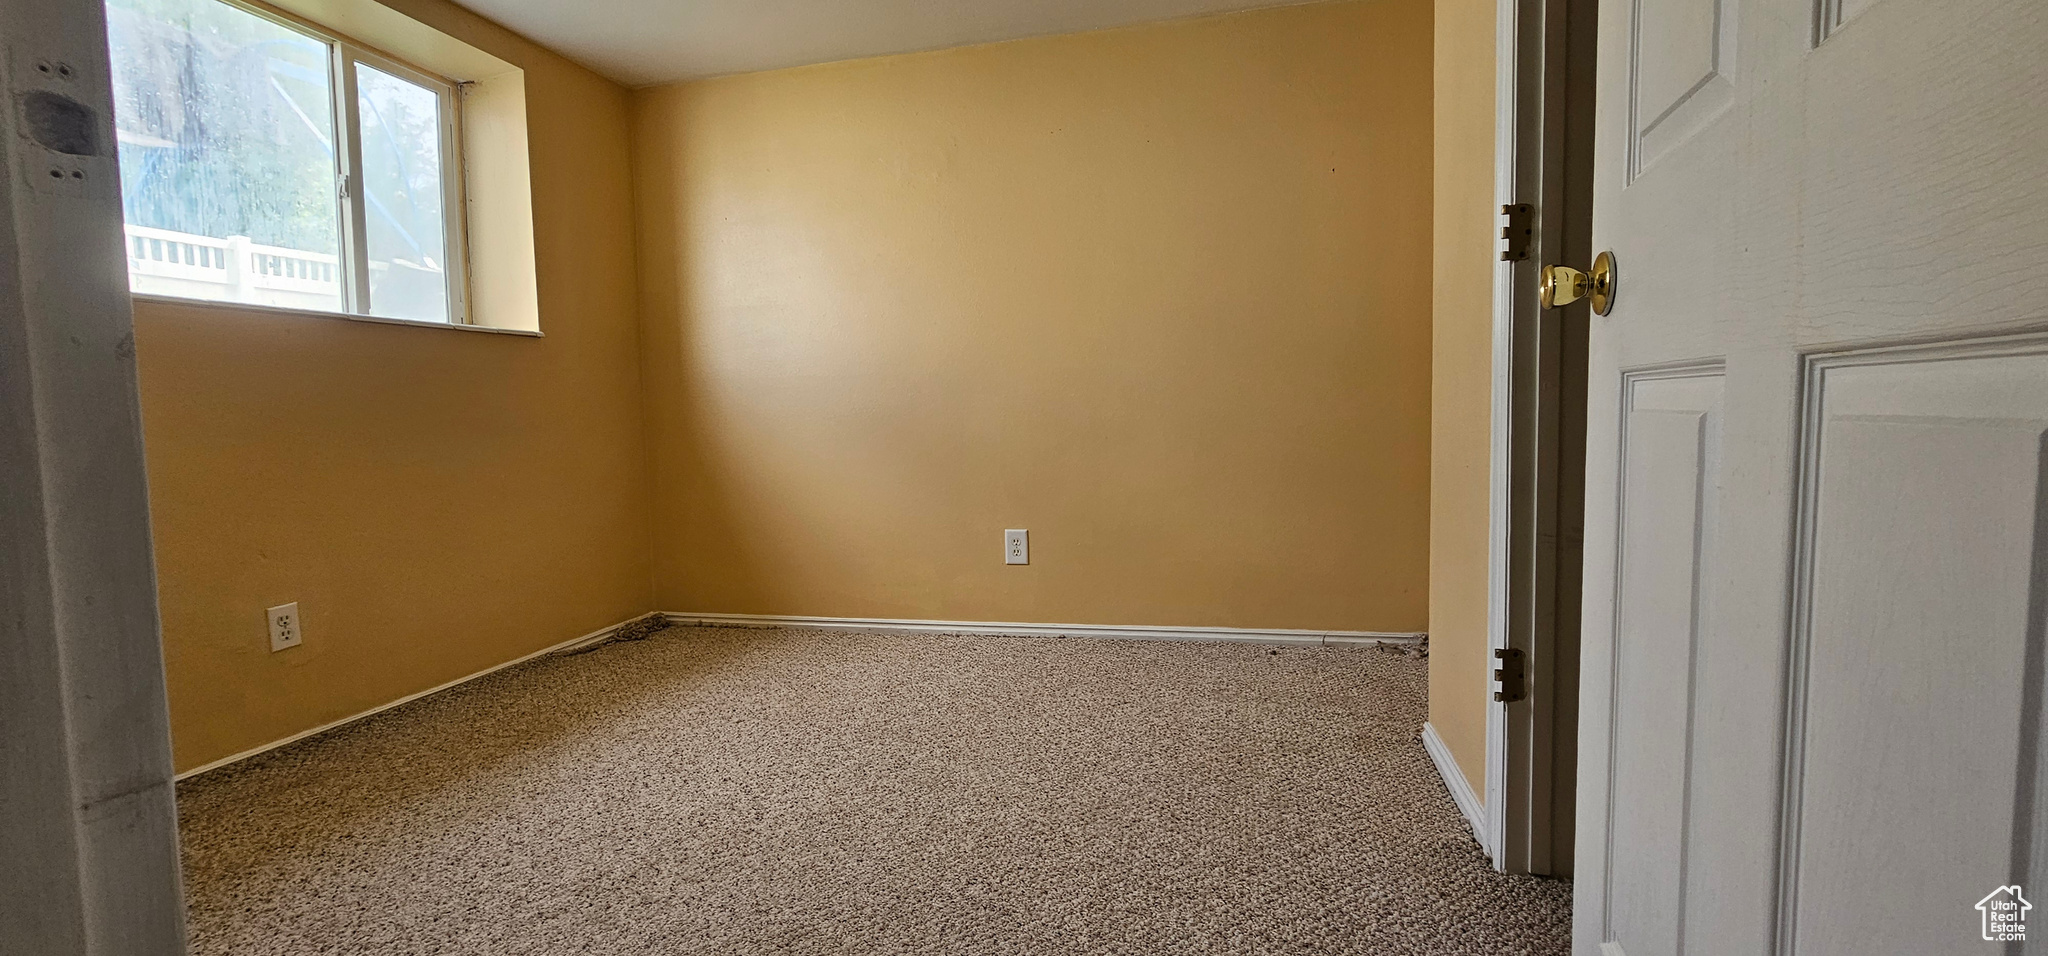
[2005,914]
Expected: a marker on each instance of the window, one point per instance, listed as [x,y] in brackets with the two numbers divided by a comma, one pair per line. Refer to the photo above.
[269,163]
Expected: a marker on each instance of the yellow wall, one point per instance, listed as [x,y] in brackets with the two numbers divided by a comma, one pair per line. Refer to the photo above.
[438,501]
[1461,390]
[1151,293]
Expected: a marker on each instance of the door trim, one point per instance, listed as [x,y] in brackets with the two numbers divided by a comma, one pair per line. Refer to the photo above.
[1543,158]
[1506,126]
[91,838]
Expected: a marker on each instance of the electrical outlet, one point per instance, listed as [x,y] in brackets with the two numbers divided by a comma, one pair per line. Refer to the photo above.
[284,626]
[1016,546]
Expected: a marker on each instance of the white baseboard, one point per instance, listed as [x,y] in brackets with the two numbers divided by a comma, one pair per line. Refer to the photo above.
[1118,631]
[1127,632]
[575,643]
[1461,789]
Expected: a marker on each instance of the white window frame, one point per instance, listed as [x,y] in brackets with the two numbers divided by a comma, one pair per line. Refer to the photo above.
[343,55]
[349,155]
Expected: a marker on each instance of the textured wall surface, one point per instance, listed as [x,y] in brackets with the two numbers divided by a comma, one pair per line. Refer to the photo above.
[437,501]
[1155,294]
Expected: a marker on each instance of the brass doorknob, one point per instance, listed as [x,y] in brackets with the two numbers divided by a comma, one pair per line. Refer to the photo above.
[1564,285]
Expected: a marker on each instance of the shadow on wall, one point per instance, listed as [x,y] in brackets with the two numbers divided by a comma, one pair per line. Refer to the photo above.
[691,513]
[1149,293]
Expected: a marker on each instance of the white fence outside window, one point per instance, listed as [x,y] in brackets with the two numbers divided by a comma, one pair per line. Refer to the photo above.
[234,269]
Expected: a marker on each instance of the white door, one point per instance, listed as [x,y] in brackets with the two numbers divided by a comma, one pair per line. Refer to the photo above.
[1815,577]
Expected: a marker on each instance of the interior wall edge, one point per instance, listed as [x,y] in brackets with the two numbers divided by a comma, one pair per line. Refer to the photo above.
[1469,803]
[1464,252]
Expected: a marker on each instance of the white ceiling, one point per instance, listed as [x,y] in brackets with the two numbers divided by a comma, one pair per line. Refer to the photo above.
[645,42]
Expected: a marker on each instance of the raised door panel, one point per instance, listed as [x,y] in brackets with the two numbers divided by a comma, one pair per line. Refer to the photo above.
[1681,56]
[1831,15]
[1669,479]
[1915,712]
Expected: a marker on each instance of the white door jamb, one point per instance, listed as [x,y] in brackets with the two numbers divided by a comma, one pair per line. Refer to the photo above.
[90,827]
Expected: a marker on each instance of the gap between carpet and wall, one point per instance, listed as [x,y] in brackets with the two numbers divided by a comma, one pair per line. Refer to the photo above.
[642,625]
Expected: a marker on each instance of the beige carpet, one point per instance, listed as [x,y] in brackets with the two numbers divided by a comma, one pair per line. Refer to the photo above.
[733,792]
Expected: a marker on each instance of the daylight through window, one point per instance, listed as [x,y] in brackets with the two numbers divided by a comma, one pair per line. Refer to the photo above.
[263,162]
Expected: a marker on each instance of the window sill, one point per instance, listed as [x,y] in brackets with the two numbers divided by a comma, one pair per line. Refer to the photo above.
[315,314]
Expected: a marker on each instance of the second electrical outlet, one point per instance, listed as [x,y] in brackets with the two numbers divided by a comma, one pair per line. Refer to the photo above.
[1016,546]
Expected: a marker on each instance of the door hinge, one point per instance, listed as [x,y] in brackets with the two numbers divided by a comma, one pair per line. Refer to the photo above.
[1509,676]
[1520,229]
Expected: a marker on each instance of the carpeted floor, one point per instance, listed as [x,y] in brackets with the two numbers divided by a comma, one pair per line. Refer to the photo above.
[734,792]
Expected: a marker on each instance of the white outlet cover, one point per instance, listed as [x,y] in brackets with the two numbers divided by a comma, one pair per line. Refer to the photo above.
[284,626]
[1016,546]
